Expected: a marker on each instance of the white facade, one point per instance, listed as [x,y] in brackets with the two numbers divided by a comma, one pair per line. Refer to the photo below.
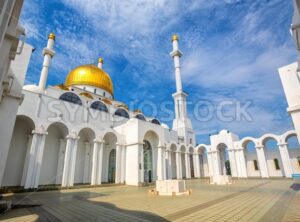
[67,141]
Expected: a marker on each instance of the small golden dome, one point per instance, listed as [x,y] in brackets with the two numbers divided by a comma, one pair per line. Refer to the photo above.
[51,36]
[101,60]
[175,37]
[90,75]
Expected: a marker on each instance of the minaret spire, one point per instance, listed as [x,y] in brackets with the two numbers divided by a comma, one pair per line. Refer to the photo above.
[176,54]
[48,54]
[182,124]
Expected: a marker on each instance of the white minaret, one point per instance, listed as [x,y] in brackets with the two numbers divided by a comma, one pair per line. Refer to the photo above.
[100,63]
[48,54]
[182,124]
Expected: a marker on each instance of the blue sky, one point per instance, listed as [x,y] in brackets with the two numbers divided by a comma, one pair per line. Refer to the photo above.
[232,49]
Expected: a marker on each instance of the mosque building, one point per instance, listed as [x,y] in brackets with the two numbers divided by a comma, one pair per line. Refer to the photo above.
[78,133]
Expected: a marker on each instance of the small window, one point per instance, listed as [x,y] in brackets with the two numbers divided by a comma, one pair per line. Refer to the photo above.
[71,97]
[191,140]
[95,91]
[155,121]
[84,88]
[140,117]
[298,158]
[103,93]
[122,113]
[255,165]
[276,163]
[99,106]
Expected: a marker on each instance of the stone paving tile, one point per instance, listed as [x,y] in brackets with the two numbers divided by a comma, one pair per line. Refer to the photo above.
[246,200]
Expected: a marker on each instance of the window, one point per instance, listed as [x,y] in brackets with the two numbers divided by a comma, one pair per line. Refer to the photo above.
[122,113]
[95,91]
[140,117]
[71,97]
[298,158]
[255,165]
[276,163]
[155,121]
[99,106]
[191,140]
[103,93]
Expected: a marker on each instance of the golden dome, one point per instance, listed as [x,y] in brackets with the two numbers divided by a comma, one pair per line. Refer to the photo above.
[90,75]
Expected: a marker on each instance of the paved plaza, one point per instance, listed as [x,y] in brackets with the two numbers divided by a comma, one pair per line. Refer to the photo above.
[245,200]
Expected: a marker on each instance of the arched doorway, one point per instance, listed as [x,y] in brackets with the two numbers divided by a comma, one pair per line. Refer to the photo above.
[273,157]
[151,142]
[203,162]
[294,152]
[19,151]
[112,166]
[225,168]
[83,166]
[109,158]
[251,159]
[148,167]
[53,155]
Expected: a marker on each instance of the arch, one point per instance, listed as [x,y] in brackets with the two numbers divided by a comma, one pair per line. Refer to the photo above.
[293,146]
[122,113]
[263,139]
[19,151]
[140,117]
[182,148]
[285,137]
[71,97]
[251,158]
[173,147]
[201,148]
[53,155]
[271,151]
[99,106]
[155,121]
[153,139]
[191,150]
[225,163]
[108,164]
[83,165]
[244,142]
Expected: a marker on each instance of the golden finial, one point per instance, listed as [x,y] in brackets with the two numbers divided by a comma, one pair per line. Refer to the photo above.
[101,60]
[175,38]
[51,36]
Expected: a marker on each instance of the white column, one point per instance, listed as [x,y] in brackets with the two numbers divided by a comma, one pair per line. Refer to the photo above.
[243,163]
[123,167]
[187,165]
[100,163]
[95,161]
[196,165]
[160,164]
[170,173]
[178,165]
[211,169]
[232,161]
[262,162]
[118,163]
[70,160]
[48,54]
[216,164]
[285,157]
[35,159]
[60,164]
[26,160]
